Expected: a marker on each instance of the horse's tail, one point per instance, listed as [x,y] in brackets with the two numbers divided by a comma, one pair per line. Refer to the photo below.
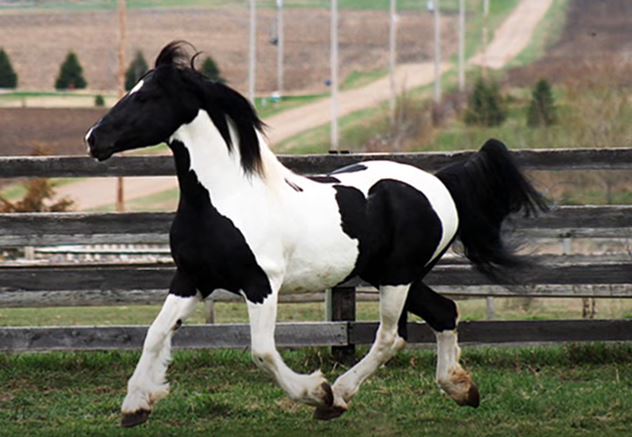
[486,188]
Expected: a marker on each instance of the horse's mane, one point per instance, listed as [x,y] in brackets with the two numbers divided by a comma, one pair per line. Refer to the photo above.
[220,101]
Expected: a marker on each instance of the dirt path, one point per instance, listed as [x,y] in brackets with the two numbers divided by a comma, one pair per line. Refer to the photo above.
[514,35]
[510,39]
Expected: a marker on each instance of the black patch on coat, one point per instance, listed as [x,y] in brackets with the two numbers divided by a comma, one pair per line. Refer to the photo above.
[324,179]
[209,251]
[294,186]
[353,168]
[397,228]
[438,311]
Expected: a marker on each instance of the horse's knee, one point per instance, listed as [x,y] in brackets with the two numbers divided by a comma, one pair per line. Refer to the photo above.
[263,358]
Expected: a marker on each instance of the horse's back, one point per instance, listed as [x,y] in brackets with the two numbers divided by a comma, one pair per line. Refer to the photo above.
[380,220]
[409,219]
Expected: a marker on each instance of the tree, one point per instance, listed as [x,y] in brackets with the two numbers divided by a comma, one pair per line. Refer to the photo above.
[542,111]
[70,74]
[99,101]
[211,70]
[39,196]
[137,68]
[485,106]
[8,78]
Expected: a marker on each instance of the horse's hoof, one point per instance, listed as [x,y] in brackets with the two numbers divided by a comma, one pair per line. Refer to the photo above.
[473,398]
[329,413]
[134,419]
[329,394]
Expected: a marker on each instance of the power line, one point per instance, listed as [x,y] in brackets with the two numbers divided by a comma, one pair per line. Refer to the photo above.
[252,63]
[437,51]
[280,47]
[334,75]
[393,57]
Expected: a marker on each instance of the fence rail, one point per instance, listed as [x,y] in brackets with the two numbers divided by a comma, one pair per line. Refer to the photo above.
[337,334]
[33,285]
[24,229]
[75,166]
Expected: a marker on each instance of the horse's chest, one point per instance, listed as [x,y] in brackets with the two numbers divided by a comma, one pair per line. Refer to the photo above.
[209,249]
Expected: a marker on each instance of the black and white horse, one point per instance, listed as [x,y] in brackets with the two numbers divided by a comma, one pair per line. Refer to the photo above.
[247,224]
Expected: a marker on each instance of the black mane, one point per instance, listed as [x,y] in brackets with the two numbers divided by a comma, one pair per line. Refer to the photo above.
[220,101]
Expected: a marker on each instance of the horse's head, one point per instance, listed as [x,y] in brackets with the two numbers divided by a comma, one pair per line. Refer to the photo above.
[164,99]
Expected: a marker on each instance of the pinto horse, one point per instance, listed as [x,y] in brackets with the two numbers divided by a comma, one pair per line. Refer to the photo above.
[247,224]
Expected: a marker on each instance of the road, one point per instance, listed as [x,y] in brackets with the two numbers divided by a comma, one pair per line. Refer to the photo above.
[510,39]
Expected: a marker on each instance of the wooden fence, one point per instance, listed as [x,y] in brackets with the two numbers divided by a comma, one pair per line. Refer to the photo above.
[70,284]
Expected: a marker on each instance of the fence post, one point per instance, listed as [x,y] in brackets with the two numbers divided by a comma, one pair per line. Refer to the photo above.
[209,306]
[340,305]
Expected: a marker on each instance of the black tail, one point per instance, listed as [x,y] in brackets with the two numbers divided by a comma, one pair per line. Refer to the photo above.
[486,189]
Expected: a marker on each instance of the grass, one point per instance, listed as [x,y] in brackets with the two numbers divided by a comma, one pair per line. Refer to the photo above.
[357,128]
[573,390]
[472,309]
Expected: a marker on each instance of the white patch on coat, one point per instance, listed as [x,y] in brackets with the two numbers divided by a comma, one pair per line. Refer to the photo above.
[297,235]
[137,87]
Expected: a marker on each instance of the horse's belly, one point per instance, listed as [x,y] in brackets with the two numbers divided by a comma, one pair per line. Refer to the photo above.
[320,263]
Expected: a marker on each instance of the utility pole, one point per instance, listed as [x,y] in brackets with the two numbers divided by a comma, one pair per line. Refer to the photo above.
[485,35]
[334,76]
[122,10]
[252,52]
[437,51]
[462,45]
[280,47]
[393,58]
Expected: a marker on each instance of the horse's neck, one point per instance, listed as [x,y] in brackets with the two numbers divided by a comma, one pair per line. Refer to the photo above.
[204,151]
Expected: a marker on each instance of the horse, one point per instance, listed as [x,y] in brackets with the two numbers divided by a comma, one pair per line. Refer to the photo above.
[247,224]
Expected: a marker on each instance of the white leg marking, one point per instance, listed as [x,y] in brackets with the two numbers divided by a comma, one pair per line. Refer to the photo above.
[309,389]
[148,383]
[387,344]
[451,377]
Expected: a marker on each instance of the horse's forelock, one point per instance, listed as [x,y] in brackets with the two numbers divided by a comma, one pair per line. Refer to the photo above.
[176,53]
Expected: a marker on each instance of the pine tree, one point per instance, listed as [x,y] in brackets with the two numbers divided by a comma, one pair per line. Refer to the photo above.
[70,74]
[8,78]
[542,111]
[137,68]
[485,106]
[211,70]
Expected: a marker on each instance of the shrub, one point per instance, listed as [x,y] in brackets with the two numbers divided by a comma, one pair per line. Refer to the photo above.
[211,70]
[70,74]
[39,193]
[8,78]
[485,105]
[99,100]
[137,68]
[542,111]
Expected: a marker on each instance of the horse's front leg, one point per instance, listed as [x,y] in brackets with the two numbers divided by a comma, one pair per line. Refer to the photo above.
[312,389]
[148,384]
[387,343]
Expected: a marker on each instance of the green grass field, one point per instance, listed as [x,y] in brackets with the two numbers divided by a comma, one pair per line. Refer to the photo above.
[573,390]
[469,310]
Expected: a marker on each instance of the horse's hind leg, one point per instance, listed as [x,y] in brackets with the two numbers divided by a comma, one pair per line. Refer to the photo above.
[387,344]
[442,316]
[148,384]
